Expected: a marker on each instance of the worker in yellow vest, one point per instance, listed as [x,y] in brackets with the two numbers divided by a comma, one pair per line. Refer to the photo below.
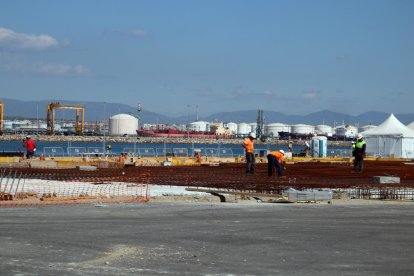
[359,154]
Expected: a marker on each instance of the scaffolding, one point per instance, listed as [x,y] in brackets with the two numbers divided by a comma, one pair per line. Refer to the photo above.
[80,111]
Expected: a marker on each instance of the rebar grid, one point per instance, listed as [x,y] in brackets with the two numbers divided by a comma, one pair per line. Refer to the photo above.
[302,175]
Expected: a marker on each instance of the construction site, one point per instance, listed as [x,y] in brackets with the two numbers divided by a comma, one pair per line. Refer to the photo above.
[95,176]
[126,179]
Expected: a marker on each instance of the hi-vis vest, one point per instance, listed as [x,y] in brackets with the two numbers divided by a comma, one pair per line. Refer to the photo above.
[359,144]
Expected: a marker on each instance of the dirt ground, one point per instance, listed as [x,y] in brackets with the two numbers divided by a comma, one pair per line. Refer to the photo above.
[339,199]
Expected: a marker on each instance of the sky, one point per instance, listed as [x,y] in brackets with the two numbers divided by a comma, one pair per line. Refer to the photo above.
[175,56]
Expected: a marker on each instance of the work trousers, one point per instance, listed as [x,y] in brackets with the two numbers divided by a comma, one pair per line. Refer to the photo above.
[271,163]
[29,154]
[358,164]
[250,162]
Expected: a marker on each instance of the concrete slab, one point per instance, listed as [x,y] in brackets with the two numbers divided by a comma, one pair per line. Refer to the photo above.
[86,168]
[386,179]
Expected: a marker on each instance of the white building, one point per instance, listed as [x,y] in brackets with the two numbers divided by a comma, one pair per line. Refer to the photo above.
[365,128]
[199,126]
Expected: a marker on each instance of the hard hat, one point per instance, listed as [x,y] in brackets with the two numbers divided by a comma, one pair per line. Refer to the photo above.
[282,152]
[253,135]
[359,136]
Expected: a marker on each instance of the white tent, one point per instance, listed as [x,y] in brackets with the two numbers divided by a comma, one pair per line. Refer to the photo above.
[390,139]
[411,126]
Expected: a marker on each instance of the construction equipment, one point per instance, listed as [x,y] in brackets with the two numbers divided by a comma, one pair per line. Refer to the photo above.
[1,117]
[80,110]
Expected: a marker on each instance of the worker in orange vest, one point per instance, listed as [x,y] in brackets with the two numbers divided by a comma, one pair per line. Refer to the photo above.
[275,159]
[248,145]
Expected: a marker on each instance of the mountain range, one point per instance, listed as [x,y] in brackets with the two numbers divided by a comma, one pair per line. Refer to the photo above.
[101,111]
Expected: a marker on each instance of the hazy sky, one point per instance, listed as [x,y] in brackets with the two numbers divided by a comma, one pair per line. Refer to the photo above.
[290,56]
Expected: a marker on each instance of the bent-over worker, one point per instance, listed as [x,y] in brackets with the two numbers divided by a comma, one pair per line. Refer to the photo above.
[275,159]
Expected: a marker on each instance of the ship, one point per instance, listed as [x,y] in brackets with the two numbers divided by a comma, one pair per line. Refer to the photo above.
[174,133]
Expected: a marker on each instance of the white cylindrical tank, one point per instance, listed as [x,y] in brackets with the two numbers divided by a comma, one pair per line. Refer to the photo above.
[302,129]
[232,127]
[253,127]
[319,146]
[243,129]
[199,126]
[123,124]
[364,128]
[324,130]
[273,130]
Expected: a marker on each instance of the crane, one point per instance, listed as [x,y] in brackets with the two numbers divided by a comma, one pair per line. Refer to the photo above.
[80,110]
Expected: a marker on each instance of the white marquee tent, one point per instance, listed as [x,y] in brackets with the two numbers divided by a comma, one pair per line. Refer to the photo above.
[390,139]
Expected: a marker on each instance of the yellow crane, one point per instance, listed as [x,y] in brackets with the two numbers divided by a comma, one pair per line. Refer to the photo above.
[80,111]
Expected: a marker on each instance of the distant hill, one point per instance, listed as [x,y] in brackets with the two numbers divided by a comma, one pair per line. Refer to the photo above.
[94,111]
[322,117]
[101,111]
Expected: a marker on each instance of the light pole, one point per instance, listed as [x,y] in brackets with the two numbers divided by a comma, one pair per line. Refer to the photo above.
[104,119]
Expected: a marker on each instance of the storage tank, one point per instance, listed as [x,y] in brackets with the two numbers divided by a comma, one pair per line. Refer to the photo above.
[324,130]
[123,124]
[319,145]
[243,129]
[199,126]
[302,129]
[232,127]
[253,127]
[273,130]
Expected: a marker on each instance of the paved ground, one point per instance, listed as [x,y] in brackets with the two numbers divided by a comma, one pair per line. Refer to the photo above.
[187,238]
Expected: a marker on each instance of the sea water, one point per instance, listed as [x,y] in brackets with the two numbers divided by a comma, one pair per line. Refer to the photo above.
[153,149]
